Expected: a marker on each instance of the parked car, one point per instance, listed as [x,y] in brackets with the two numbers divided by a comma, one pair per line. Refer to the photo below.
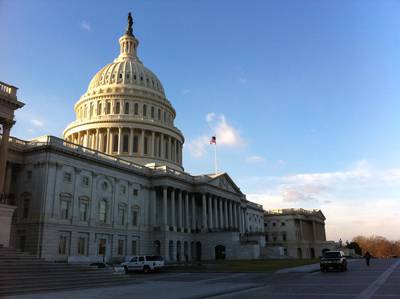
[145,263]
[332,260]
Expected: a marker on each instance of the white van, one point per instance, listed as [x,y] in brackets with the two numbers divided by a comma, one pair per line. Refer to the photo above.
[143,263]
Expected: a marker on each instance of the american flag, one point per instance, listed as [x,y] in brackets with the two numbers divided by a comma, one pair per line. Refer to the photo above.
[213,140]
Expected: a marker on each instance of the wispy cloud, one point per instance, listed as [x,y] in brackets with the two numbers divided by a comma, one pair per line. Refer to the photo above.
[226,134]
[242,80]
[255,159]
[86,26]
[37,123]
[186,91]
[358,194]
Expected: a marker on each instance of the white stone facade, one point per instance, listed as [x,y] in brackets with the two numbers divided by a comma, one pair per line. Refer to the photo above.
[298,233]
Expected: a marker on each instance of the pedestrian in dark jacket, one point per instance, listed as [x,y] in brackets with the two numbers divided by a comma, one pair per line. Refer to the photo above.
[367,257]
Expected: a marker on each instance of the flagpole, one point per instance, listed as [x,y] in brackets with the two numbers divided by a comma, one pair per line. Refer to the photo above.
[215,158]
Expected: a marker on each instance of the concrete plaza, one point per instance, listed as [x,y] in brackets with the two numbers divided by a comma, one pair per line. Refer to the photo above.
[381,280]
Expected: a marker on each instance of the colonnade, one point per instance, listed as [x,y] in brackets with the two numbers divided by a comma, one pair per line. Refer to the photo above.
[130,141]
[184,211]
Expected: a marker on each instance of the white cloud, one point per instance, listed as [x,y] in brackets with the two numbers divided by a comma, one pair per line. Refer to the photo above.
[225,133]
[242,80]
[37,123]
[186,92]
[86,26]
[255,159]
[197,147]
[359,200]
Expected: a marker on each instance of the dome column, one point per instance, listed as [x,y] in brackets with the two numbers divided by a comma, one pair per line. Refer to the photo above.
[119,141]
[142,143]
[153,141]
[130,142]
[108,143]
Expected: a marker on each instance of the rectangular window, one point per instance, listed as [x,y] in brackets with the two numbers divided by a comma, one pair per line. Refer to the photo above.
[64,209]
[159,114]
[103,211]
[135,217]
[121,216]
[85,181]
[136,109]
[134,247]
[146,141]
[117,108]
[98,108]
[135,144]
[135,192]
[29,174]
[120,247]
[115,143]
[144,110]
[152,112]
[122,189]
[126,108]
[82,246]
[62,245]
[26,208]
[125,143]
[67,177]
[83,210]
[102,247]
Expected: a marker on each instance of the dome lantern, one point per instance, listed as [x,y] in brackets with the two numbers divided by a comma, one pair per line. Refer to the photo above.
[128,43]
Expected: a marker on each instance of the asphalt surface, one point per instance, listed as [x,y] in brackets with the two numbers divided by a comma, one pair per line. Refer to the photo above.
[380,280]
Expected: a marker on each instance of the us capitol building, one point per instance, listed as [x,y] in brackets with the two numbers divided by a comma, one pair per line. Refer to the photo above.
[115,185]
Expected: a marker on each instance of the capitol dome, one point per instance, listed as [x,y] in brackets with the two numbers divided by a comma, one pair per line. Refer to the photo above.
[125,112]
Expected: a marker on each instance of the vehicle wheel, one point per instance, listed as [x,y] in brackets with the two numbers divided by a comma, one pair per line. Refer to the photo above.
[146,269]
[126,270]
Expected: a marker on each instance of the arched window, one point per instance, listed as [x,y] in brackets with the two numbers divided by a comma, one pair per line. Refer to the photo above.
[126,108]
[135,143]
[103,211]
[108,108]
[136,109]
[117,108]
[144,110]
[125,143]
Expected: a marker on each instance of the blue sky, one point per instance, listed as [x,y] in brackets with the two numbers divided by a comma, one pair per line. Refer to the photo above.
[303,95]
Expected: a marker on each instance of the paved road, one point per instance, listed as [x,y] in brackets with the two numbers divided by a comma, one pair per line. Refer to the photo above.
[381,280]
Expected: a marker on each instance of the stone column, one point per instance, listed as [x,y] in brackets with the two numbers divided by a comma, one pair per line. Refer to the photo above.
[108,147]
[234,215]
[131,134]
[7,183]
[4,154]
[153,196]
[314,231]
[153,141]
[119,141]
[173,218]
[193,211]
[142,143]
[97,145]
[180,210]
[221,214]
[230,214]
[165,206]
[210,212]
[187,212]
[204,211]
[215,203]
[162,146]
[226,222]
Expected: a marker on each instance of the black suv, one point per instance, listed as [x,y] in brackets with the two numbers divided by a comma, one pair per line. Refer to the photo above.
[333,260]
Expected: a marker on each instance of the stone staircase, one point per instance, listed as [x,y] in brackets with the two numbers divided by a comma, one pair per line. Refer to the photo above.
[23,273]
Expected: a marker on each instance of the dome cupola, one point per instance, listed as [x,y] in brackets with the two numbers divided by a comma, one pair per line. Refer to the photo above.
[125,112]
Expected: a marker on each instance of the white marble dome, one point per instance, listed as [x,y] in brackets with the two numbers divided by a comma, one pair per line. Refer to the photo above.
[125,113]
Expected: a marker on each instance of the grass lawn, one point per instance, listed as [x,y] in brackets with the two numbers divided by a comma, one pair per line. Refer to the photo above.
[241,265]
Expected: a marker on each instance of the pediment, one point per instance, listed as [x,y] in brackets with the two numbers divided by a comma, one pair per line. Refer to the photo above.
[223,181]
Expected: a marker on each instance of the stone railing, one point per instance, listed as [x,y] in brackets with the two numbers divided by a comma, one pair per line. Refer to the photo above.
[292,211]
[8,90]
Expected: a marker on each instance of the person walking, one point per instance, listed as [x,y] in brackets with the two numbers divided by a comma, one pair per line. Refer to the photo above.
[367,257]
